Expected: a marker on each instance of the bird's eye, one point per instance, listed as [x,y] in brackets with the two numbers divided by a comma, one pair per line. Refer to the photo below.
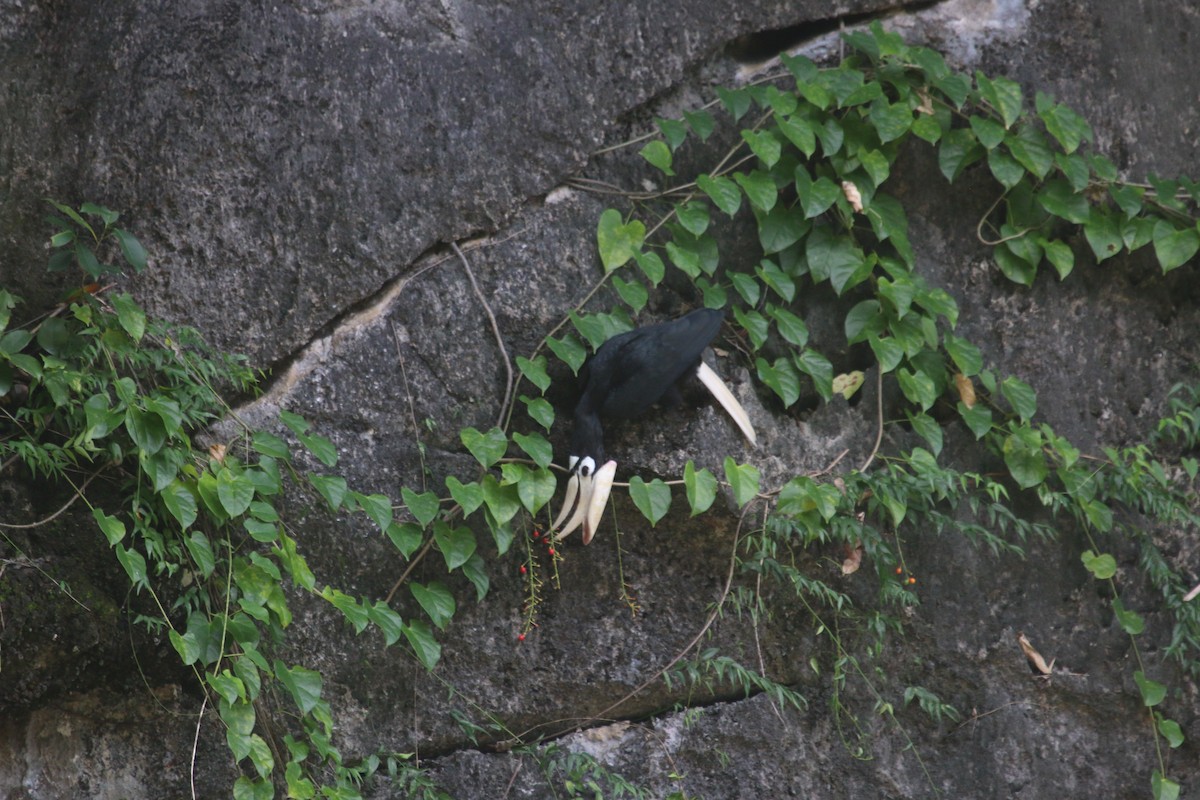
[587,466]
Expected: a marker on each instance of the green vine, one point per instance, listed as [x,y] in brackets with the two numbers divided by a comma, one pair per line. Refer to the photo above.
[95,388]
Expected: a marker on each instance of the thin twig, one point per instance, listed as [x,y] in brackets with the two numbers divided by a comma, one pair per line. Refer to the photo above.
[75,496]
[412,414]
[508,370]
[878,417]
[196,746]
[411,564]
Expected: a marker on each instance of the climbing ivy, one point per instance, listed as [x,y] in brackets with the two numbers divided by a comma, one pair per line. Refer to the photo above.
[96,387]
[811,166]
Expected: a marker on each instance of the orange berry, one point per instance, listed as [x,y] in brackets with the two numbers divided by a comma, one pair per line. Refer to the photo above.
[899,570]
[911,580]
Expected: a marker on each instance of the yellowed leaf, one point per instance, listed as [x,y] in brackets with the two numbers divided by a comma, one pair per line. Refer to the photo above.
[1035,658]
[853,197]
[853,559]
[966,389]
[848,383]
[217,452]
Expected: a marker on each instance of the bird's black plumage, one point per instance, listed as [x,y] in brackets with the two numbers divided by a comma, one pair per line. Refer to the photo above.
[634,370]
[628,374]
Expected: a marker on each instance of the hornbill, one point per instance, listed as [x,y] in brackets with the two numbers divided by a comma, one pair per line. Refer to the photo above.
[629,373]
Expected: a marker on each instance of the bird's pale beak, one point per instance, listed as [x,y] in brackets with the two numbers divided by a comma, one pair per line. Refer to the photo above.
[588,495]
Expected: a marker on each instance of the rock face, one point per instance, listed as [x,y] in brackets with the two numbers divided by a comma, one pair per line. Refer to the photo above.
[296,171]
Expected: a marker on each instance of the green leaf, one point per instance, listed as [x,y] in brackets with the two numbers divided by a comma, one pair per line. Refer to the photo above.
[536,488]
[965,355]
[420,637]
[131,317]
[891,120]
[1059,199]
[1020,396]
[958,150]
[134,564]
[659,155]
[790,327]
[304,685]
[1103,235]
[723,192]
[469,496]
[863,321]
[569,351]
[633,293]
[764,145]
[1068,127]
[456,544]
[539,410]
[1061,257]
[1102,566]
[1130,621]
[1002,94]
[227,685]
[1025,461]
[1162,787]
[759,188]
[652,267]
[436,600]
[376,506]
[132,249]
[694,217]
[781,377]
[700,487]
[113,528]
[652,499]
[424,506]
[978,418]
[799,132]
[816,197]
[673,131]
[1005,168]
[617,240]
[1174,248]
[234,490]
[833,256]
[502,501]
[535,371]
[1029,148]
[1152,691]
[989,132]
[488,448]
[268,444]
[778,280]
[917,387]
[321,447]
[201,552]
[146,430]
[332,487]
[928,429]
[746,286]
[536,446]
[181,503]
[755,324]
[742,479]
[817,367]
[1170,731]
[780,228]
[701,122]
[887,352]
[406,538]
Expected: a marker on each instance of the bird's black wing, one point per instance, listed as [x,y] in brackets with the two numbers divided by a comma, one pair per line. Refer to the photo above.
[632,371]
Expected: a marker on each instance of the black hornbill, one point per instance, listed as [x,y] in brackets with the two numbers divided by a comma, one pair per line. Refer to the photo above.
[629,373]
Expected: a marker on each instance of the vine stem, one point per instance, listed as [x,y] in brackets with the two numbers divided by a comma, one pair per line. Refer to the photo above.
[487,309]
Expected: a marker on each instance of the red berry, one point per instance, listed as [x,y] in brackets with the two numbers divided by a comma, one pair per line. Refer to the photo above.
[523,570]
[520,637]
[550,551]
